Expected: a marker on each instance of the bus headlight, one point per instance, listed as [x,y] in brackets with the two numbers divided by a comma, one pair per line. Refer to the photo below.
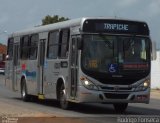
[88,84]
[143,86]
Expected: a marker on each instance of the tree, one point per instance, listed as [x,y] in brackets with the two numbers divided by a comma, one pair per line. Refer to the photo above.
[53,19]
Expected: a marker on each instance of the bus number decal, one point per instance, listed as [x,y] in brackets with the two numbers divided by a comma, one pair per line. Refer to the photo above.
[93,64]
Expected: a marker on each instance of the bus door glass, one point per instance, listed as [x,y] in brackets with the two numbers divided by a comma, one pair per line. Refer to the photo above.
[41,65]
[9,64]
[74,67]
[16,67]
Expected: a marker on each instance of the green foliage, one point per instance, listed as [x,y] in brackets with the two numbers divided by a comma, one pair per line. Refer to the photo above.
[53,19]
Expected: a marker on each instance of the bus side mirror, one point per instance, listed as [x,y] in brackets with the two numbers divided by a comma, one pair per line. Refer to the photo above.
[154,52]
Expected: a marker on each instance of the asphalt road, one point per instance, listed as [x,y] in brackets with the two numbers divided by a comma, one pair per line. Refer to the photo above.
[11,104]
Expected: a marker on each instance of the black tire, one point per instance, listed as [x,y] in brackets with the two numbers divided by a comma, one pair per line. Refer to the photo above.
[64,104]
[24,95]
[120,107]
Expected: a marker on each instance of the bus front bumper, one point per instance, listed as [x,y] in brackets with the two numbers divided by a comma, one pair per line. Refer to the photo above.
[93,96]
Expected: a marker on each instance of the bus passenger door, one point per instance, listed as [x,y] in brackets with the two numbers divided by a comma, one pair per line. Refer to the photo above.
[74,67]
[16,68]
[41,60]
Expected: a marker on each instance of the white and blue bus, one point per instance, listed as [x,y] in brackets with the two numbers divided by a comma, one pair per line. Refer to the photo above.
[86,60]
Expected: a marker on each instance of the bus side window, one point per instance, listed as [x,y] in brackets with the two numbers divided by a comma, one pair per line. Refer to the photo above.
[53,43]
[24,47]
[64,43]
[33,47]
[10,49]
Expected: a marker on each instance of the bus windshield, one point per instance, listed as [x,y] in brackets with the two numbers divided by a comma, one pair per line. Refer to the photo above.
[101,52]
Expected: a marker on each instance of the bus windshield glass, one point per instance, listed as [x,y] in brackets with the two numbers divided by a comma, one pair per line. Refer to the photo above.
[101,52]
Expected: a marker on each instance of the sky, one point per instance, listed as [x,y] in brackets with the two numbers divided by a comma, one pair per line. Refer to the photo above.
[17,15]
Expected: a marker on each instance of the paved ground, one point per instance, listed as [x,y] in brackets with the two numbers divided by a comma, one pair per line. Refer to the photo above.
[155,94]
[48,111]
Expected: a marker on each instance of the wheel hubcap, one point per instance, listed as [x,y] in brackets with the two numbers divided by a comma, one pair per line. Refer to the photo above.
[63,97]
[23,92]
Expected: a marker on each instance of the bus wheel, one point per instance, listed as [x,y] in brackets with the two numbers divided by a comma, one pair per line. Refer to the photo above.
[62,98]
[24,95]
[120,107]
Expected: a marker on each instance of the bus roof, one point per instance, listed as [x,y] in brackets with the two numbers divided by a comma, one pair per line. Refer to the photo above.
[65,24]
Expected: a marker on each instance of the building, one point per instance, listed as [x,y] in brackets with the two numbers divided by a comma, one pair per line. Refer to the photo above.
[155,72]
[3,52]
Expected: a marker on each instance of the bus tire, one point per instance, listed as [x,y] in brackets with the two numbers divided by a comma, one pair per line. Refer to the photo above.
[120,107]
[24,95]
[64,104]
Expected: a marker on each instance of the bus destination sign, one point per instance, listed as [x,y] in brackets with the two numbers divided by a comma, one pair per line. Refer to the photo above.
[116,26]
[109,26]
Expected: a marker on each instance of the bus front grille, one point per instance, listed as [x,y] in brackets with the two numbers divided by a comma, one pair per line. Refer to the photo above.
[120,81]
[106,88]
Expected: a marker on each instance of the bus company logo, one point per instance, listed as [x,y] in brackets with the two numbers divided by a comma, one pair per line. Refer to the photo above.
[116,88]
